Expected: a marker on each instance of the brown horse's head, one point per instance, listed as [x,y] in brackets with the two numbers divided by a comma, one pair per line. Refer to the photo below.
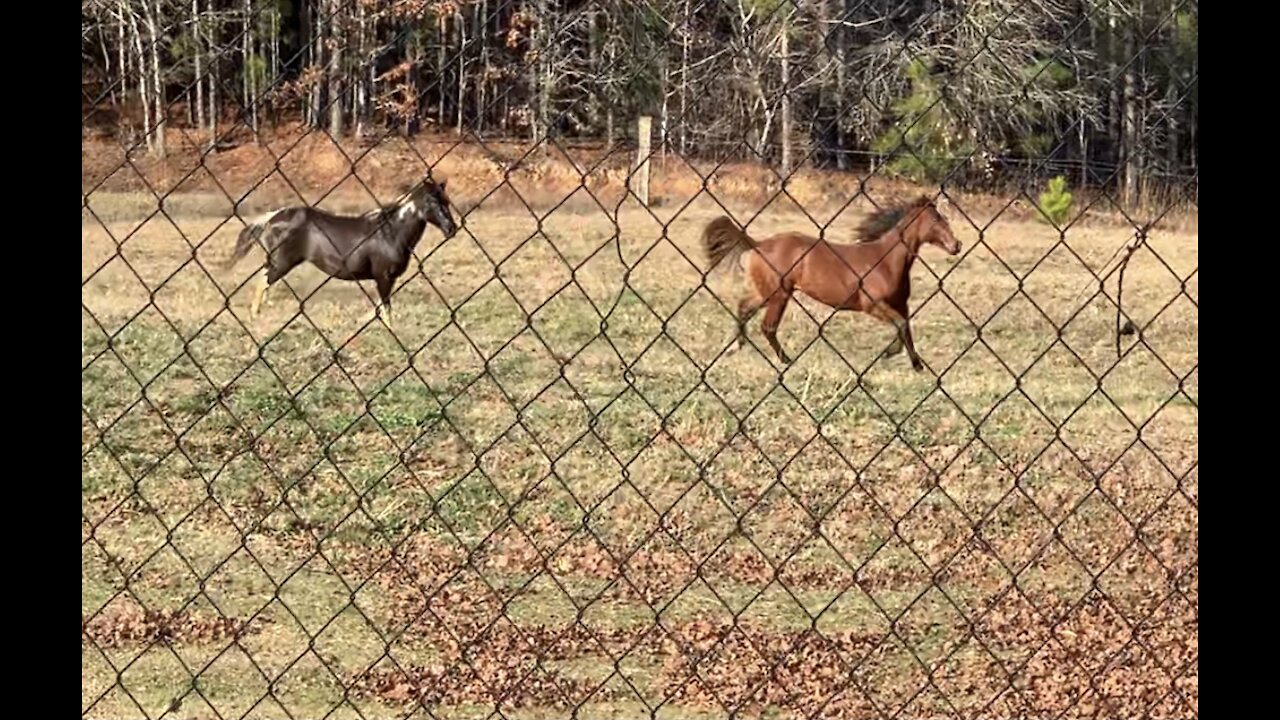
[918,223]
[929,225]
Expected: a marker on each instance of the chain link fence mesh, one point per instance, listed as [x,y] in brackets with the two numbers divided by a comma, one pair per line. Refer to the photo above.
[549,490]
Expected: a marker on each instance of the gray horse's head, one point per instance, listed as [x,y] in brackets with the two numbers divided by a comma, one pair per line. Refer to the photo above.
[430,201]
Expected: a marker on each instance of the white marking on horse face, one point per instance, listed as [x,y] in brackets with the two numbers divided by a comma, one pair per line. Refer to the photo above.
[408,208]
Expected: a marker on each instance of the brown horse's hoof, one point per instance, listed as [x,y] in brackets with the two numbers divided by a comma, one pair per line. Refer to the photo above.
[917,365]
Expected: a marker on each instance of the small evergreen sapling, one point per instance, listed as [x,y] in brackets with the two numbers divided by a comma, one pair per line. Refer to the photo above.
[1055,202]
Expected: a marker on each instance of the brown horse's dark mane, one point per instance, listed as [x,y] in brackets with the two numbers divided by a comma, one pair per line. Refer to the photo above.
[885,219]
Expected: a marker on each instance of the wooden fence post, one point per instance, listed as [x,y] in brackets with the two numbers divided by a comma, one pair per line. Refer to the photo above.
[644,127]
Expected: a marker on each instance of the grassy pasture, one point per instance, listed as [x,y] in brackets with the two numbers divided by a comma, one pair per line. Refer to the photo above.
[500,504]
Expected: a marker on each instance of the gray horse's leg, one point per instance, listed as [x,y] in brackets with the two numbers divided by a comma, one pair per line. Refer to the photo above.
[385,285]
[261,286]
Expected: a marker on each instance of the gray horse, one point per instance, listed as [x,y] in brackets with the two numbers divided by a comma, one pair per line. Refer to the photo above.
[374,246]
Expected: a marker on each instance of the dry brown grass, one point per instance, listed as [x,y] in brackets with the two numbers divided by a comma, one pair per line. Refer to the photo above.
[292,164]
[623,490]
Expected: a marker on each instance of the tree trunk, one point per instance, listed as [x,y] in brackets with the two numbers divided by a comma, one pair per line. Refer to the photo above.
[158,95]
[597,97]
[1193,122]
[360,88]
[275,58]
[316,33]
[1083,139]
[334,67]
[250,68]
[106,62]
[198,115]
[541,78]
[1115,130]
[413,100]
[213,74]
[460,23]
[684,79]
[442,39]
[125,116]
[785,125]
[273,65]
[1129,129]
[664,128]
[482,27]
[1082,129]
[762,145]
[609,127]
[246,92]
[140,64]
[842,50]
[1171,101]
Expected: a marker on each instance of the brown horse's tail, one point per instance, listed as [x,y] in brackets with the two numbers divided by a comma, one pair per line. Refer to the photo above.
[248,236]
[724,242]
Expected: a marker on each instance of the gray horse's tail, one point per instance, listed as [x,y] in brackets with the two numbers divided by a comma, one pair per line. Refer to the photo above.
[250,235]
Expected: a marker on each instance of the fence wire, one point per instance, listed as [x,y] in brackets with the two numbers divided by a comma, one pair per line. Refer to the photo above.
[550,489]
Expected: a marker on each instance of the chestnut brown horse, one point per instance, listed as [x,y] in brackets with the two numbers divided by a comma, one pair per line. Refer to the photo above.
[872,276]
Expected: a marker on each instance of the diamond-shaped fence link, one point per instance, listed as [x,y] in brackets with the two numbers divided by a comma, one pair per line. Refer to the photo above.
[560,483]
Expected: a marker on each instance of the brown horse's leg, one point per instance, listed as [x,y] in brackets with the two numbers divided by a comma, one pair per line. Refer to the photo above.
[905,313]
[898,318]
[747,308]
[773,318]
[916,363]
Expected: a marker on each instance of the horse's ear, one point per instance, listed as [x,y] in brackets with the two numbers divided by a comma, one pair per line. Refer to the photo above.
[443,182]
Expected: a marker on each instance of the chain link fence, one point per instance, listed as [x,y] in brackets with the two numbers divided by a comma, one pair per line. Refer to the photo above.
[550,489]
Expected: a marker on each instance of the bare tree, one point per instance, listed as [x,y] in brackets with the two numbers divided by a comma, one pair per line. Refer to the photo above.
[196,42]
[1002,80]
[784,52]
[333,62]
